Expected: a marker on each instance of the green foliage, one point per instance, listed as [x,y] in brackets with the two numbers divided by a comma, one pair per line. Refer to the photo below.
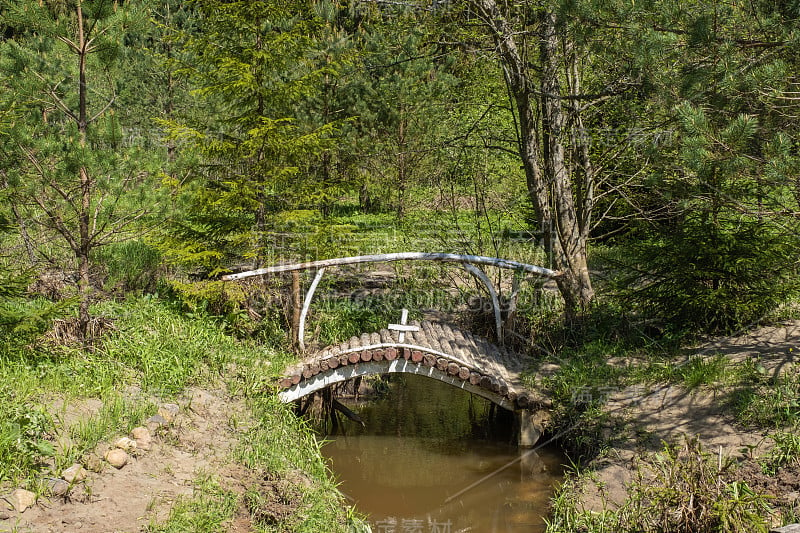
[249,63]
[24,445]
[210,508]
[66,168]
[681,489]
[785,452]
[130,266]
[718,264]
[281,443]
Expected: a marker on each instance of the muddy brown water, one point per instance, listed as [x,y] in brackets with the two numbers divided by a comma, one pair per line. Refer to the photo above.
[430,459]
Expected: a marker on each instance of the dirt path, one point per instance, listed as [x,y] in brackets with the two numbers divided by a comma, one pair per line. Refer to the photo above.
[197,441]
[650,416]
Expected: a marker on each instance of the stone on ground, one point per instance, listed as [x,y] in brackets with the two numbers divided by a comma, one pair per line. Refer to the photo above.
[117,458]
[169,411]
[94,463]
[74,474]
[155,422]
[22,499]
[124,443]
[142,437]
[57,487]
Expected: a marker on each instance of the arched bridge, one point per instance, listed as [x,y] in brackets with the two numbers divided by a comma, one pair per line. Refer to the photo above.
[431,349]
[435,350]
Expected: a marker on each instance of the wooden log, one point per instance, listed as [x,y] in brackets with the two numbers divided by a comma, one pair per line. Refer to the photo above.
[495,385]
[485,382]
[296,378]
[430,336]
[441,364]
[523,401]
[315,369]
[355,342]
[463,373]
[307,372]
[333,362]
[406,353]
[364,340]
[323,366]
[390,354]
[453,368]
[354,357]
[285,383]
[344,359]
[511,396]
[386,336]
[366,355]
[375,338]
[474,378]
[441,337]
[429,360]
[461,344]
[377,355]
[416,356]
[336,404]
[503,388]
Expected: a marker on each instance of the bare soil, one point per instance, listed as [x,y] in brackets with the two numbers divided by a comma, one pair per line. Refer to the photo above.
[198,441]
[643,419]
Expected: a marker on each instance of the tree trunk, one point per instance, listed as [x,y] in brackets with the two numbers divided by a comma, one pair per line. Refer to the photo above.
[84,248]
[542,151]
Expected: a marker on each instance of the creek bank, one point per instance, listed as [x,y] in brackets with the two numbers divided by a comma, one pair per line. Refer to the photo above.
[636,424]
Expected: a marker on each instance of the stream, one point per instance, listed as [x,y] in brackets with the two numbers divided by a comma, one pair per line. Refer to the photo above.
[430,458]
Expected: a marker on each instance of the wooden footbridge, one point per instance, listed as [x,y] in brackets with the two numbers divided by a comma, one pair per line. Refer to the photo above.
[435,350]
[431,349]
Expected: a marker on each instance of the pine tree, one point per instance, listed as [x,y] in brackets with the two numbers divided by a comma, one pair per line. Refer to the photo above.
[243,148]
[67,169]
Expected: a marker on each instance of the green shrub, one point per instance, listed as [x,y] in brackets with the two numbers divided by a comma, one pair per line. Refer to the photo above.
[131,266]
[710,275]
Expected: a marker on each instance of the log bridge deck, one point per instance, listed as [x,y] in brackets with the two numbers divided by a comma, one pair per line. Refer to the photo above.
[435,350]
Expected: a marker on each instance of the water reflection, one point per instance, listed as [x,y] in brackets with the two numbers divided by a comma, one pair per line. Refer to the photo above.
[424,444]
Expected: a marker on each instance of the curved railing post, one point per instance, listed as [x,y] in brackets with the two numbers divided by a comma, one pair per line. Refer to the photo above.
[306,304]
[481,275]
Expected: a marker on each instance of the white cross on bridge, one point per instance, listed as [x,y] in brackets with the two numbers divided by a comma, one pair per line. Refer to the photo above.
[402,327]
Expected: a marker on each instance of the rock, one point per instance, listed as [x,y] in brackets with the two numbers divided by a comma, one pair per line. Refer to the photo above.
[169,411]
[124,443]
[791,528]
[57,487]
[155,422]
[142,437]
[94,463]
[117,458]
[74,474]
[22,499]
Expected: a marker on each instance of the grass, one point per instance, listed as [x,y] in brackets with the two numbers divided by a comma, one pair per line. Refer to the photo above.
[683,488]
[116,417]
[785,452]
[207,511]
[281,445]
[769,402]
[155,353]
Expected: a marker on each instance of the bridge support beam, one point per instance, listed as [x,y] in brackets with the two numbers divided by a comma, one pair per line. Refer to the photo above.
[531,427]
